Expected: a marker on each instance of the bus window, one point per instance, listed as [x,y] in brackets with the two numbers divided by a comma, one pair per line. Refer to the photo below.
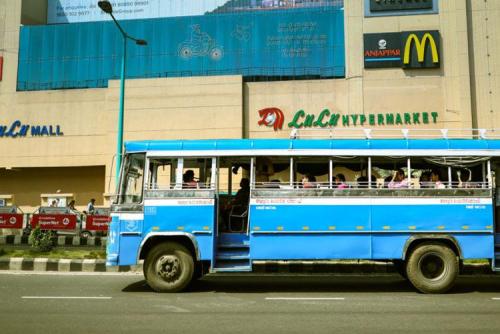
[196,173]
[272,172]
[132,179]
[161,174]
[312,172]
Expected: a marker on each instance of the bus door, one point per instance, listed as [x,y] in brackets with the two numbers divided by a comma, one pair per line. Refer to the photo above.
[231,247]
[128,213]
[180,200]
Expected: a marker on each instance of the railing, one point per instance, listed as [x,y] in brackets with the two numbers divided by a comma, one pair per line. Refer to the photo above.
[352,133]
[364,189]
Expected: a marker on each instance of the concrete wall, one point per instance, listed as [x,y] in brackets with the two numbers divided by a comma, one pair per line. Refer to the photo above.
[29,183]
[484,39]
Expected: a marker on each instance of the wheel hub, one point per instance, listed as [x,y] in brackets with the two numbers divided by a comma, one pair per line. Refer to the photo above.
[168,267]
[432,266]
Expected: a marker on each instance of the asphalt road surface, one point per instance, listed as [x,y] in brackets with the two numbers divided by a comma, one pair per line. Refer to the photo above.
[123,303]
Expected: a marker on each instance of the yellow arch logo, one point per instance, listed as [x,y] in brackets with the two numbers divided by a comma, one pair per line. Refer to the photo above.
[420,46]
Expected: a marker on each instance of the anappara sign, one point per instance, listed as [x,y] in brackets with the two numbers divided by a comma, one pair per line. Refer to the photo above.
[274,117]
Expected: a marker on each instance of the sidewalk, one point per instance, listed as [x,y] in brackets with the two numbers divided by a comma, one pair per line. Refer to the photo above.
[61,240]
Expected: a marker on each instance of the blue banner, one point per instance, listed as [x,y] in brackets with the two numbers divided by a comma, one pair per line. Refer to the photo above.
[280,43]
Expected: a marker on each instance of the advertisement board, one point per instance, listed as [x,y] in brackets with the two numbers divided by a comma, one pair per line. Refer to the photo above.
[407,49]
[97,223]
[400,7]
[54,221]
[299,42]
[11,220]
[73,11]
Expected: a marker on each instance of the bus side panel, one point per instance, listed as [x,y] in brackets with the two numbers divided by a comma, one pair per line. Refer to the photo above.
[309,246]
[309,231]
[432,217]
[476,246]
[190,219]
[389,245]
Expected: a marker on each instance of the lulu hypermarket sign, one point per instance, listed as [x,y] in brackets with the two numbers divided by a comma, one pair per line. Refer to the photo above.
[18,130]
[275,118]
[407,49]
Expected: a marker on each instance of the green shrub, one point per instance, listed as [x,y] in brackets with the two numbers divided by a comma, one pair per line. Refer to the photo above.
[42,241]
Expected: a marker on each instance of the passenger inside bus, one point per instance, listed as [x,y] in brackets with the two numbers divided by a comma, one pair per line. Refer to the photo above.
[340,182]
[237,208]
[398,180]
[188,180]
[309,181]
[436,180]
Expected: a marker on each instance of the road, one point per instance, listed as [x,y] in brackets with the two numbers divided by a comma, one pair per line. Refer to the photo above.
[123,303]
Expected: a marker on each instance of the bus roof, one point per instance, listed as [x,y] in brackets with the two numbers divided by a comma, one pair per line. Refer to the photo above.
[483,145]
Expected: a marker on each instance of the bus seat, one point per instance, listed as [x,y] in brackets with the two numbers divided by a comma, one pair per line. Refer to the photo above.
[238,216]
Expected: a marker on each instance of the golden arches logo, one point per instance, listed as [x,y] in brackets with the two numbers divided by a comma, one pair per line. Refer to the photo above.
[420,46]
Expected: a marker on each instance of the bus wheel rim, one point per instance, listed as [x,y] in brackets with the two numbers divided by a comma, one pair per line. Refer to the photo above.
[168,267]
[432,266]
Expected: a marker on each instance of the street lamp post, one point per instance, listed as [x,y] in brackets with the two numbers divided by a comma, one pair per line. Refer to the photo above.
[108,9]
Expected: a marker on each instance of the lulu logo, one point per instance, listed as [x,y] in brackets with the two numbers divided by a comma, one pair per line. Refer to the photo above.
[272,117]
[423,42]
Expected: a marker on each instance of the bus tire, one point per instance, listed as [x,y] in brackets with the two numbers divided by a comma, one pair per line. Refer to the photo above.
[432,268]
[169,267]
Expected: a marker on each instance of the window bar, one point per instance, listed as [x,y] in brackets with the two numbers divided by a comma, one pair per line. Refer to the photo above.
[409,172]
[213,176]
[291,172]
[330,172]
[369,172]
[179,173]
[483,168]
[449,177]
[252,173]
[488,171]
[230,181]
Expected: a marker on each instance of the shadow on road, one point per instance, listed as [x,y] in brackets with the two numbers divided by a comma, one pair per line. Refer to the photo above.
[369,284]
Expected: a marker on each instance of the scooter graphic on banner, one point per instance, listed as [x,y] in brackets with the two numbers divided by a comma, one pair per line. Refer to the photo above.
[200,44]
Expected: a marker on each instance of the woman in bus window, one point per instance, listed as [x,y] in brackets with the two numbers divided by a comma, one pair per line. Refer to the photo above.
[309,181]
[340,181]
[436,180]
[398,180]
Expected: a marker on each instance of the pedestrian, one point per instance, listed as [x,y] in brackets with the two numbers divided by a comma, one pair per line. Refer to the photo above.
[90,206]
[71,205]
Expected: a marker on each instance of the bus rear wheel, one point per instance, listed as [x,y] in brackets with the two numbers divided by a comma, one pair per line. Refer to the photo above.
[169,267]
[432,268]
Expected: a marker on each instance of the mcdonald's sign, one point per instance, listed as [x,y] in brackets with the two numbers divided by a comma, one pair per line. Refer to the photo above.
[407,49]
[421,49]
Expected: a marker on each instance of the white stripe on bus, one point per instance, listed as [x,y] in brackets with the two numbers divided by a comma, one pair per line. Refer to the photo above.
[370,201]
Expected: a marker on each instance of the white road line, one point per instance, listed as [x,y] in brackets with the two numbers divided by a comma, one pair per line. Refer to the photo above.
[495,298]
[305,298]
[63,297]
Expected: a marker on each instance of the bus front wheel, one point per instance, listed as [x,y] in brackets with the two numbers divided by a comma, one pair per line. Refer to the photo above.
[432,268]
[169,267]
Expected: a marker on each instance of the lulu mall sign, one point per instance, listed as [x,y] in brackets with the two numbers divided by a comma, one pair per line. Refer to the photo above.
[275,118]
[19,130]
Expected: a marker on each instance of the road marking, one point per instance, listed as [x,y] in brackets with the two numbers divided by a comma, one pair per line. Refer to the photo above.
[62,297]
[305,298]
[495,298]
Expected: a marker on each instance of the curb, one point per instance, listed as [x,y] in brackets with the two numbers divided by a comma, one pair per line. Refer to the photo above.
[60,240]
[62,265]
[259,267]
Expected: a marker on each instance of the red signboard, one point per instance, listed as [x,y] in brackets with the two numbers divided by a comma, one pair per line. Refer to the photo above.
[11,220]
[97,223]
[54,222]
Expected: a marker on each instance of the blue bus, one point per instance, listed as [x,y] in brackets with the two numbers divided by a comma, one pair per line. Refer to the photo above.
[192,207]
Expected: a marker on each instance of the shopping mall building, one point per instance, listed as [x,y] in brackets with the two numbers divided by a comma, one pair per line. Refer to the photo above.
[228,69]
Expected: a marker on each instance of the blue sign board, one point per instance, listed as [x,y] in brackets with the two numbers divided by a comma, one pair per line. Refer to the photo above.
[292,43]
